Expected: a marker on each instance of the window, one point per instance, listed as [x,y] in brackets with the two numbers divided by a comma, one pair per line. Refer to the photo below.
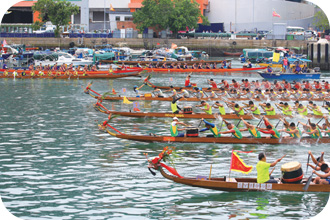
[128,18]
[99,16]
[117,18]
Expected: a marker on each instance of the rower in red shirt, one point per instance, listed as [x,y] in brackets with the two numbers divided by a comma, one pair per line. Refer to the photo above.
[235,84]
[326,85]
[246,83]
[187,82]
[318,85]
[212,83]
[307,85]
[225,84]
[287,85]
[297,85]
[267,84]
[277,85]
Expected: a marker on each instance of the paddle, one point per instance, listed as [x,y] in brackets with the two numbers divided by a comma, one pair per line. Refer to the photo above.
[309,179]
[319,121]
[238,122]
[260,122]
[277,123]
[307,162]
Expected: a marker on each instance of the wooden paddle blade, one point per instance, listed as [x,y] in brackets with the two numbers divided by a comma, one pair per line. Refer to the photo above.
[308,183]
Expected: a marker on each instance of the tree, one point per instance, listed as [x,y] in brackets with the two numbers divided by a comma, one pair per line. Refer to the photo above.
[174,15]
[56,11]
[321,21]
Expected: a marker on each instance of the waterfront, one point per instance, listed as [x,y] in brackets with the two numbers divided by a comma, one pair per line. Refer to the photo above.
[57,165]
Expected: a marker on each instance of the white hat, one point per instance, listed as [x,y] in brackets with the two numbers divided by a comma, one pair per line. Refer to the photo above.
[175,118]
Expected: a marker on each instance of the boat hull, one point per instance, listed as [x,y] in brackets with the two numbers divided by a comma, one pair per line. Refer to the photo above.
[204,70]
[243,184]
[290,77]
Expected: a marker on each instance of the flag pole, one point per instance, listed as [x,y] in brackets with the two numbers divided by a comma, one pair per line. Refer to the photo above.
[231,161]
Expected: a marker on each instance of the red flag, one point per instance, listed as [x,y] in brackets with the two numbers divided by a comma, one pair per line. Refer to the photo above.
[275,14]
[171,170]
[238,165]
[114,91]
[136,109]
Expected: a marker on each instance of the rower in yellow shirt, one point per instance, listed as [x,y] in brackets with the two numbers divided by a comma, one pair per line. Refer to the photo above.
[207,108]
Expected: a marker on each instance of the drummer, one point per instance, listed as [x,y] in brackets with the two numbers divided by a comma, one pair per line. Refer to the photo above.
[212,128]
[174,130]
[263,169]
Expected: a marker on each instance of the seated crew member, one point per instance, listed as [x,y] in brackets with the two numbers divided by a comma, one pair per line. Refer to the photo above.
[291,129]
[174,129]
[269,110]
[270,129]
[253,108]
[302,110]
[286,109]
[207,108]
[158,92]
[318,161]
[316,109]
[323,178]
[174,106]
[251,128]
[212,128]
[212,83]
[212,95]
[184,93]
[225,84]
[199,93]
[221,108]
[262,167]
[325,126]
[233,130]
[136,89]
[312,129]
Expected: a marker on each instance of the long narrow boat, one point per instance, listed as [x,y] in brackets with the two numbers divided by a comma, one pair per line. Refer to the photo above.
[289,76]
[220,140]
[233,54]
[72,76]
[204,70]
[162,62]
[99,72]
[194,115]
[169,99]
[243,184]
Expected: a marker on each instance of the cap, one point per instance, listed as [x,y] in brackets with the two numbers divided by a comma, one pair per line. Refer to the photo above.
[175,118]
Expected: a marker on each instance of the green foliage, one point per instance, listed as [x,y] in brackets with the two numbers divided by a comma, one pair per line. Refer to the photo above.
[58,12]
[321,21]
[174,15]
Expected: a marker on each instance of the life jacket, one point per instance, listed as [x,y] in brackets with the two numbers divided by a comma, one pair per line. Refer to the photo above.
[256,111]
[215,131]
[277,134]
[303,113]
[286,112]
[255,133]
[241,112]
[317,112]
[237,134]
[222,110]
[317,135]
[270,112]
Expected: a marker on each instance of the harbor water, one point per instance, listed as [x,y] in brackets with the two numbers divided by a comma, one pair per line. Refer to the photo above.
[56,164]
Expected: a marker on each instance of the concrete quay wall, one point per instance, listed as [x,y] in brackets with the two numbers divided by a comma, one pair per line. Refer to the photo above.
[214,47]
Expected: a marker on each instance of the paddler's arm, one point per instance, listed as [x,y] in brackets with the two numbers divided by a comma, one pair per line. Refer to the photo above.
[322,175]
[314,167]
[303,124]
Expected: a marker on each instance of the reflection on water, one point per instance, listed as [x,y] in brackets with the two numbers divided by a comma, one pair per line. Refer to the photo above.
[55,164]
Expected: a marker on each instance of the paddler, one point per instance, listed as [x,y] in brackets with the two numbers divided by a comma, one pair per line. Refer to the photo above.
[158,92]
[238,110]
[207,108]
[302,110]
[251,128]
[136,90]
[199,93]
[263,169]
[253,108]
[291,129]
[233,130]
[286,109]
[174,129]
[270,129]
[269,110]
[220,107]
[212,83]
[325,126]
[312,129]
[184,93]
[212,128]
[316,110]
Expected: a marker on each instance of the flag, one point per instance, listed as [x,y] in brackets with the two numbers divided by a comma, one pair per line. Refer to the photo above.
[111,8]
[276,57]
[126,101]
[275,14]
[174,46]
[237,163]
[136,106]
[114,91]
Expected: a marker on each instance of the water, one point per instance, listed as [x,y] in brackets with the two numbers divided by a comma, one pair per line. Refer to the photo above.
[55,164]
